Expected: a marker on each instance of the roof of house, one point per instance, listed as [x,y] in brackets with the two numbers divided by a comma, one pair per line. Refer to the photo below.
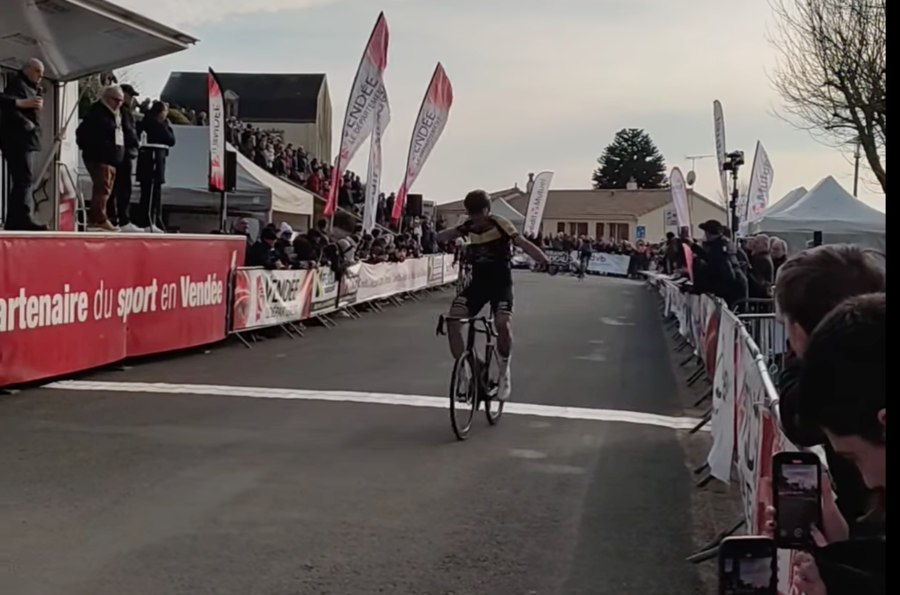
[584,204]
[288,98]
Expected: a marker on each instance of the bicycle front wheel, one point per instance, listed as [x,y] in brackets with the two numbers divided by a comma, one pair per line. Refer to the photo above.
[463,395]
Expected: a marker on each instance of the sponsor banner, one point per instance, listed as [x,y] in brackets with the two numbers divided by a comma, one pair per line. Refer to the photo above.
[536,203]
[73,302]
[216,134]
[609,264]
[762,177]
[267,298]
[324,292]
[721,455]
[349,286]
[435,270]
[359,118]
[383,280]
[451,268]
[721,150]
[680,200]
[373,180]
[429,126]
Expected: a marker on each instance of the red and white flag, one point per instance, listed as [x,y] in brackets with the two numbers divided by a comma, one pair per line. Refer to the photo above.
[680,199]
[216,134]
[761,179]
[721,148]
[373,179]
[359,119]
[429,125]
[536,203]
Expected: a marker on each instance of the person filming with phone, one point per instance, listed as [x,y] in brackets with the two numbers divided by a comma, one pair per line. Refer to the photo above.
[20,138]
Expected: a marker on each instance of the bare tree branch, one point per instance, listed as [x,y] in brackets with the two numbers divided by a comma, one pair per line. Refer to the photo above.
[832,72]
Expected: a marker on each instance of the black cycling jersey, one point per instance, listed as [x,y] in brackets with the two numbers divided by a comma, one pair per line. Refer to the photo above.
[490,241]
[489,254]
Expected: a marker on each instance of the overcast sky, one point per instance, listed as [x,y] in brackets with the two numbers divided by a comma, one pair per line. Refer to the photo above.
[539,84]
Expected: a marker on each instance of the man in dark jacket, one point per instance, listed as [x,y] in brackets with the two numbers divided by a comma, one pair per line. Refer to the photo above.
[716,269]
[20,139]
[101,138]
[120,200]
[762,270]
[262,253]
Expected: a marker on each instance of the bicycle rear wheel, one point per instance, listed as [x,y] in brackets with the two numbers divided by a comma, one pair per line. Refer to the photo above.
[493,407]
[463,395]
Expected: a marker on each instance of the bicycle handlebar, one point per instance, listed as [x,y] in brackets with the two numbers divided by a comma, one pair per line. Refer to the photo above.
[486,322]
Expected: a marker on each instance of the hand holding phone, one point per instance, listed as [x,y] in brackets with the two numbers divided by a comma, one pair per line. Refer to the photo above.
[748,566]
[797,486]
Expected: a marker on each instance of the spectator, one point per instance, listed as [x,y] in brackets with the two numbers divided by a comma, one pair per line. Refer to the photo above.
[761,275]
[117,209]
[843,392]
[808,287]
[262,253]
[20,139]
[101,138]
[156,139]
[778,248]
[675,259]
[716,267]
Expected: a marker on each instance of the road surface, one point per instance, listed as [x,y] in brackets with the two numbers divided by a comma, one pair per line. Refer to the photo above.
[327,466]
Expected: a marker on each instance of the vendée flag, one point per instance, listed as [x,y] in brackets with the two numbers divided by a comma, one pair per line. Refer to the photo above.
[430,124]
[537,202]
[680,199]
[721,147]
[373,180]
[358,121]
[216,134]
[761,178]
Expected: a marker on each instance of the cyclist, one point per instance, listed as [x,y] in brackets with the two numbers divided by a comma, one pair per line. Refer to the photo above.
[585,249]
[489,255]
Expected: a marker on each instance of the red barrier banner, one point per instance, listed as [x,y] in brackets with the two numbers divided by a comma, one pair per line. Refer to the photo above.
[71,302]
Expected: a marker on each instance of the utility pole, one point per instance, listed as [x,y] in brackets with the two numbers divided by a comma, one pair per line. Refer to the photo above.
[857,158]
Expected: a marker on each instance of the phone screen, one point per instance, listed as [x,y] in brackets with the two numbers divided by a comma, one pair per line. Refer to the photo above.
[748,572]
[799,501]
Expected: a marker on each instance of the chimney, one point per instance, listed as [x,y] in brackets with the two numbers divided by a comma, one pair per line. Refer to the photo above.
[632,184]
[530,184]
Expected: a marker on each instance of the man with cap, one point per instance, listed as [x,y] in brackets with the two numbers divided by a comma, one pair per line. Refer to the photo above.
[716,269]
[120,199]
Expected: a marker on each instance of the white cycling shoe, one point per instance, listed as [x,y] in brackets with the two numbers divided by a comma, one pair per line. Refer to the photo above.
[504,389]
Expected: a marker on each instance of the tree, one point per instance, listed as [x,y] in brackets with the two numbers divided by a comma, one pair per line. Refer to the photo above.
[832,72]
[89,87]
[631,156]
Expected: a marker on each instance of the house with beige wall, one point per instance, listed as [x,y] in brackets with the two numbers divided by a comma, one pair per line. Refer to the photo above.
[631,214]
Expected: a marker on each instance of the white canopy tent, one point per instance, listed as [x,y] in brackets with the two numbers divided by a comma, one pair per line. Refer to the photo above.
[789,200]
[500,207]
[827,208]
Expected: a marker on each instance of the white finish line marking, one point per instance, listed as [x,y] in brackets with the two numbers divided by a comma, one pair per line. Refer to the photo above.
[611,415]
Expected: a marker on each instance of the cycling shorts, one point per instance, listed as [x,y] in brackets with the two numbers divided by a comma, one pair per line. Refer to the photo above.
[484,289]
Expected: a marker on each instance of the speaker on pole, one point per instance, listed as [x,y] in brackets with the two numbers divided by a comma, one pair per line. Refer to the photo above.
[414,205]
[230,171]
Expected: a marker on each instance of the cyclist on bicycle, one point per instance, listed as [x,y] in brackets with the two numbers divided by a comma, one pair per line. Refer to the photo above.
[489,254]
[585,249]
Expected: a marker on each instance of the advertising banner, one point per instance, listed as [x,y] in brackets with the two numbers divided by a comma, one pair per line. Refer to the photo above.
[72,302]
[429,126]
[359,118]
[721,455]
[267,298]
[721,149]
[762,177]
[373,180]
[534,214]
[609,264]
[324,292]
[378,281]
[349,286]
[216,134]
[451,269]
[435,270]
[680,200]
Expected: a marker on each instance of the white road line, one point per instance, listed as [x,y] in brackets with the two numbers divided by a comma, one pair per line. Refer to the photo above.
[631,417]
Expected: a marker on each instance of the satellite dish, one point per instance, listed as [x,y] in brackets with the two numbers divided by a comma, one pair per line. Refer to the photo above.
[691,178]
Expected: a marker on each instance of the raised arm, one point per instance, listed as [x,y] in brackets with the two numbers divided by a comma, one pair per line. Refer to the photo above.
[531,249]
[451,234]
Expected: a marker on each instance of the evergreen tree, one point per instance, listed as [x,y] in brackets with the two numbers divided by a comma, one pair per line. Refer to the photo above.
[631,156]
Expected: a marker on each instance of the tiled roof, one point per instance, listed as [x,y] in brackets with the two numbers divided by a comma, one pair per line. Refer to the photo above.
[572,205]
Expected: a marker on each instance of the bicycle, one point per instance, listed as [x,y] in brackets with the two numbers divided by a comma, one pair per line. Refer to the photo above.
[474,382]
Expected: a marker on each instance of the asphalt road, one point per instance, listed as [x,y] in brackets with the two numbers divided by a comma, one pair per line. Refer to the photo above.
[150,491]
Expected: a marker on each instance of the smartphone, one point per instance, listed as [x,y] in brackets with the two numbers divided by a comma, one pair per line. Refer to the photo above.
[748,566]
[797,483]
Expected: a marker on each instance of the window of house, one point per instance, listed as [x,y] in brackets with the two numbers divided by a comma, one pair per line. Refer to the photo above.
[578,228]
[560,227]
[600,231]
[619,231]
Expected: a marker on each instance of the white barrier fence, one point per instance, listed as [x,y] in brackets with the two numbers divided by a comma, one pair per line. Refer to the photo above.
[745,425]
[265,298]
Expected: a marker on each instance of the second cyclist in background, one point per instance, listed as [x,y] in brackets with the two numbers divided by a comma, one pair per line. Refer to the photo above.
[584,257]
